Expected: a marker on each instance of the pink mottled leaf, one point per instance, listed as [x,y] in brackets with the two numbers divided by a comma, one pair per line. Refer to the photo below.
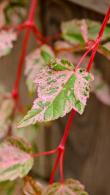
[80,31]
[69,187]
[35,62]
[58,92]
[15,159]
[6,41]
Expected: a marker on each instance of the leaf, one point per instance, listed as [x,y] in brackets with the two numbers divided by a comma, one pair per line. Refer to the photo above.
[60,65]
[6,41]
[69,187]
[94,28]
[15,13]
[80,31]
[31,187]
[71,31]
[15,159]
[34,62]
[58,93]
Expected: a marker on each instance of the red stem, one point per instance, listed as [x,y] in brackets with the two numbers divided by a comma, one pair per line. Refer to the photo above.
[98,40]
[62,166]
[15,91]
[32,11]
[20,65]
[55,167]
[67,128]
[44,153]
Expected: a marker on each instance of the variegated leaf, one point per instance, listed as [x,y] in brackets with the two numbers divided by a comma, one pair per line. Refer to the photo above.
[35,62]
[58,93]
[71,31]
[6,41]
[69,187]
[79,31]
[15,14]
[15,159]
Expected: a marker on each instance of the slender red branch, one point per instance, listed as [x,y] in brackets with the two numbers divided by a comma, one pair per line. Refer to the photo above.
[55,167]
[15,91]
[62,166]
[32,11]
[67,128]
[98,39]
[44,153]
[20,65]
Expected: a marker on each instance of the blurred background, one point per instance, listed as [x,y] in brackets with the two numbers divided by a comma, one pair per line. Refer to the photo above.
[87,156]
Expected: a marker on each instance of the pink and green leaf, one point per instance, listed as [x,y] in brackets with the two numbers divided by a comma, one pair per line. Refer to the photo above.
[15,159]
[34,63]
[78,31]
[58,93]
[6,41]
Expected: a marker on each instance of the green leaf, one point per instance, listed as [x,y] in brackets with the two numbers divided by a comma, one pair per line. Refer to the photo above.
[71,31]
[78,31]
[58,93]
[34,63]
[69,187]
[94,28]
[15,159]
[45,55]
[60,65]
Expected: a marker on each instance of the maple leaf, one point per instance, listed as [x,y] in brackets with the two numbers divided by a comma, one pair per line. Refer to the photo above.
[80,31]
[58,92]
[6,41]
[35,62]
[15,158]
